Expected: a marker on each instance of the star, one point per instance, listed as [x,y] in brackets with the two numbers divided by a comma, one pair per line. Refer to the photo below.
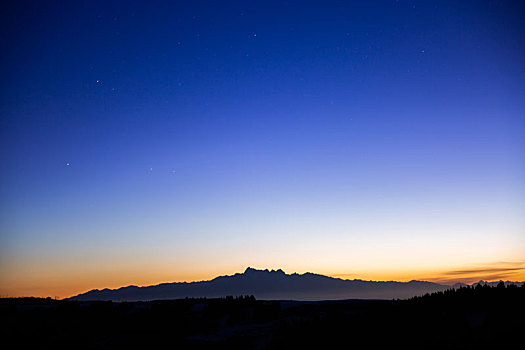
[67,164]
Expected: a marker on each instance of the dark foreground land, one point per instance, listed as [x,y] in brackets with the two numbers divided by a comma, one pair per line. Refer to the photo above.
[466,318]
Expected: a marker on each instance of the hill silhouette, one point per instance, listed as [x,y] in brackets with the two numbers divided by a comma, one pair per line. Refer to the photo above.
[472,317]
[269,285]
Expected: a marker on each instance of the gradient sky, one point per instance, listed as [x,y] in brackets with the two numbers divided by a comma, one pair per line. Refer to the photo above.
[145,142]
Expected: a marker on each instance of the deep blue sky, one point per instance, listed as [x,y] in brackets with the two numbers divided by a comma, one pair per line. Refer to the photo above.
[223,134]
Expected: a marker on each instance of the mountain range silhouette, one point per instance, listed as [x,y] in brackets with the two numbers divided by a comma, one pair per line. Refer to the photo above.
[269,285]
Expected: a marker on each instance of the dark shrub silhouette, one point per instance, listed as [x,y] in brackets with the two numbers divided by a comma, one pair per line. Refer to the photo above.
[465,318]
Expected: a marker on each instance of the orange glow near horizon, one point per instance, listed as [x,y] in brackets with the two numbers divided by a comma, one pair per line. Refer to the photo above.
[507,271]
[65,283]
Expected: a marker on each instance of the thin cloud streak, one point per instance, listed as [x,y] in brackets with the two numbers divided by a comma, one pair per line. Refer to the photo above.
[481,271]
[489,272]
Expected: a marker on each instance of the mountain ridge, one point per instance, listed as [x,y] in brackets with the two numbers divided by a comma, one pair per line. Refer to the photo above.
[271,285]
[267,284]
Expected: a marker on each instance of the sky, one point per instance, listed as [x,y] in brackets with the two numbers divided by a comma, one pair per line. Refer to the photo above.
[160,141]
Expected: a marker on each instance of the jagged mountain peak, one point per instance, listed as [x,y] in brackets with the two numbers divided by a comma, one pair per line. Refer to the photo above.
[269,285]
[252,271]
